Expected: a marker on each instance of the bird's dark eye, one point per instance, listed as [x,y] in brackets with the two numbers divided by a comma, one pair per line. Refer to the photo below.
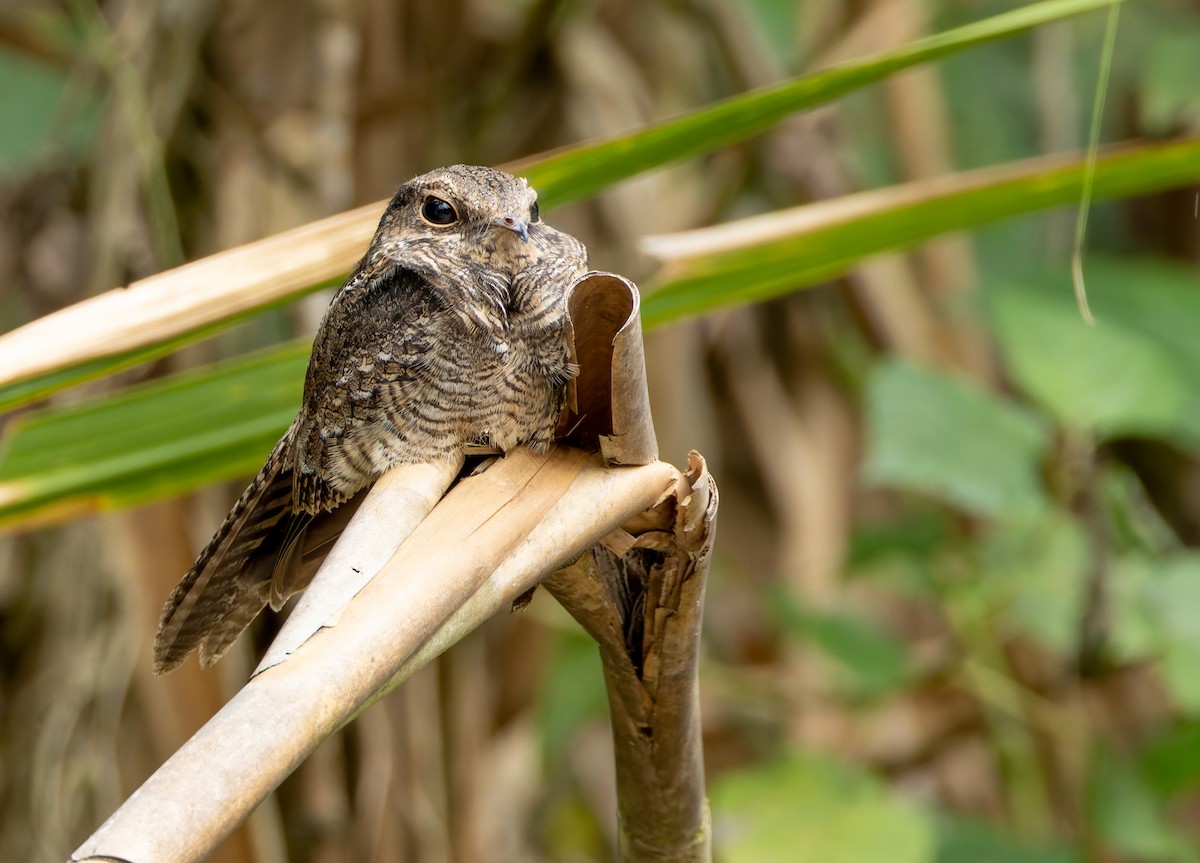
[533,212]
[435,211]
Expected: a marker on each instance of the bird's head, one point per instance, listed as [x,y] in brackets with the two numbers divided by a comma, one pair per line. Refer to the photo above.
[466,210]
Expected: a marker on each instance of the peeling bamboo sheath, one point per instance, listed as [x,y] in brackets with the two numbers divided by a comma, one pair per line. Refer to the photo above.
[529,511]
[563,534]
[400,499]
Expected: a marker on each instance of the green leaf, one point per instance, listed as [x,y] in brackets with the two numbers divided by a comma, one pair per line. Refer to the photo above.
[572,693]
[1171,762]
[1126,814]
[36,126]
[1036,571]
[918,533]
[152,440]
[1135,633]
[1155,298]
[1168,88]
[1171,594]
[776,20]
[813,253]
[1149,308]
[1107,379]
[933,434]
[806,808]
[1170,600]
[1154,602]
[872,661]
[583,171]
[1180,667]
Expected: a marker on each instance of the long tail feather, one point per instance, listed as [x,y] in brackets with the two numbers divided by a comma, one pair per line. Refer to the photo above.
[231,580]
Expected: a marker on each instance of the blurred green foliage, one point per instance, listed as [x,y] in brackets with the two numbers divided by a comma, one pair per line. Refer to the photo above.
[45,119]
[802,807]
[931,433]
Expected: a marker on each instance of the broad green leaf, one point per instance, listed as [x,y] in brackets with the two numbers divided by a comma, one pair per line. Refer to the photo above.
[36,123]
[776,20]
[1154,602]
[1108,378]
[583,171]
[152,440]
[933,434]
[903,556]
[1035,570]
[1135,524]
[919,532]
[806,808]
[1136,372]
[1171,761]
[1127,815]
[1170,99]
[816,252]
[1172,597]
[872,662]
[1180,666]
[1135,635]
[1158,299]
[572,693]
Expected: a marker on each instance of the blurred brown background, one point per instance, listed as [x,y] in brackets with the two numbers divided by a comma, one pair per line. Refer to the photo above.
[959,737]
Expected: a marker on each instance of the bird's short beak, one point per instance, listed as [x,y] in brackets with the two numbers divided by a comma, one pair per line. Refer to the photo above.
[515,224]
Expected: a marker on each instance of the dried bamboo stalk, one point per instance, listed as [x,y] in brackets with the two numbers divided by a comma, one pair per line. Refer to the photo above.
[652,680]
[212,783]
[490,539]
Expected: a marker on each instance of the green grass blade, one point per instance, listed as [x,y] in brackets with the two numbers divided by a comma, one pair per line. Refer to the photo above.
[162,438]
[152,440]
[583,171]
[764,270]
[1085,202]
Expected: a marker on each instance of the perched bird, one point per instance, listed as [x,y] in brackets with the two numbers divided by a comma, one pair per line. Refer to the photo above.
[449,331]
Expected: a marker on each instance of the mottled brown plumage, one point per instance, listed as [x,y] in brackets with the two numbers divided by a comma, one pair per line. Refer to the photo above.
[450,331]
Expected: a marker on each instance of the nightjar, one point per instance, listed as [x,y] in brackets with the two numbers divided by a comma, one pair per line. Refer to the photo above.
[449,331]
